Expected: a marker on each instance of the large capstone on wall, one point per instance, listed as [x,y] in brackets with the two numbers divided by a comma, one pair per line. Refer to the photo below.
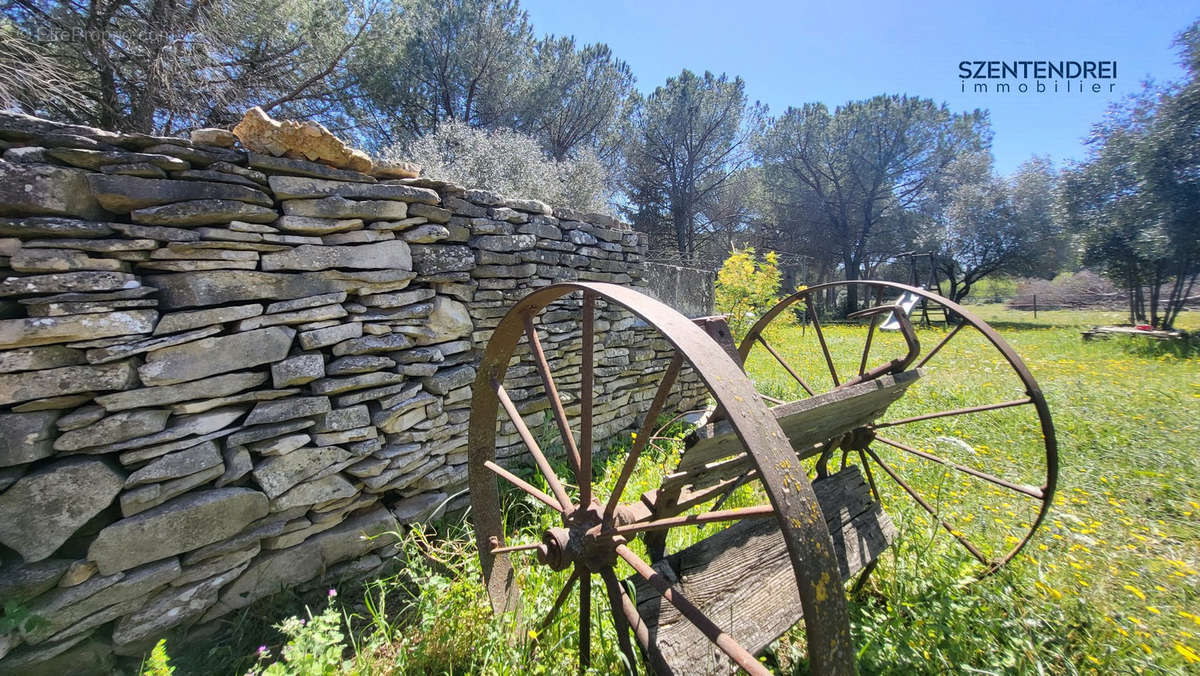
[222,366]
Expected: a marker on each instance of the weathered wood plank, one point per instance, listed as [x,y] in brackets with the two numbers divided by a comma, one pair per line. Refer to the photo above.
[742,578]
[807,422]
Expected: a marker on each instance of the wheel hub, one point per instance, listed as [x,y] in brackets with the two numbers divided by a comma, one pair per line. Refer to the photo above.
[583,540]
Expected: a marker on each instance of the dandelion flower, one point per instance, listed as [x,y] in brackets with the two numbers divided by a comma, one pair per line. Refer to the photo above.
[1188,654]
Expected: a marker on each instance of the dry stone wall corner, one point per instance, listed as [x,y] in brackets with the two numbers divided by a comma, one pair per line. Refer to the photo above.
[221,367]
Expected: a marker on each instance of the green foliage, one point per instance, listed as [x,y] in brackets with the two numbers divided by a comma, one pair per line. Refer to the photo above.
[684,141]
[985,224]
[508,162]
[149,66]
[158,663]
[746,288]
[18,617]
[314,646]
[1134,202]
[993,289]
[852,182]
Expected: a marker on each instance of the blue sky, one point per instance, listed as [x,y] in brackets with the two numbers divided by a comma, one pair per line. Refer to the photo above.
[791,53]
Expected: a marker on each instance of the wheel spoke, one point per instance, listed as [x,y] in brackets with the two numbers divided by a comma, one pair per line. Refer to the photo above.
[929,508]
[757,511]
[523,485]
[954,411]
[629,610]
[556,486]
[559,600]
[560,415]
[821,337]
[585,622]
[615,601]
[644,434]
[515,548]
[585,399]
[725,642]
[862,458]
[1031,491]
[941,344]
[785,365]
[862,364]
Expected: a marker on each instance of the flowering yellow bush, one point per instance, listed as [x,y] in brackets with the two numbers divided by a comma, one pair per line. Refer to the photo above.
[746,288]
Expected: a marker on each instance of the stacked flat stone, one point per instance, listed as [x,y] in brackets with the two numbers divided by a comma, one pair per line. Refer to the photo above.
[219,370]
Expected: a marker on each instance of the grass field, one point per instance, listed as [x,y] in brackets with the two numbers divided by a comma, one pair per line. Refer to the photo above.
[1110,583]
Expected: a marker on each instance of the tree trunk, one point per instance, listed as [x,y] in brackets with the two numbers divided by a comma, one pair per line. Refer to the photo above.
[1155,291]
[679,220]
[852,274]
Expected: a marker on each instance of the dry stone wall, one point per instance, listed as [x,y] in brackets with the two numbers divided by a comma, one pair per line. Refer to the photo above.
[220,369]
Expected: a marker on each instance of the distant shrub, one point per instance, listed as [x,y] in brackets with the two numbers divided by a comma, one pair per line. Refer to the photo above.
[746,288]
[1083,289]
[510,163]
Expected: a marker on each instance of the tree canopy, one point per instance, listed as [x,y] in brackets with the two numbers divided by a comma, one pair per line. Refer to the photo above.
[857,175]
[685,141]
[1135,202]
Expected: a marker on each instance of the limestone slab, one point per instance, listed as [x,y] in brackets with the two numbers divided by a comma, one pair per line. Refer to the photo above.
[217,386]
[306,225]
[183,524]
[115,428]
[44,189]
[25,437]
[319,338]
[307,302]
[103,355]
[65,282]
[294,187]
[174,465]
[218,287]
[37,358]
[262,432]
[278,474]
[121,194]
[52,226]
[195,360]
[33,331]
[342,208]
[234,399]
[298,370]
[183,321]
[45,507]
[332,487]
[299,167]
[305,316]
[204,212]
[372,345]
[18,387]
[287,409]
[60,260]
[392,255]
[280,445]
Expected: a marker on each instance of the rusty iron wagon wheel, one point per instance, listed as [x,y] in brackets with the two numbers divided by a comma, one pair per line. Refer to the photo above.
[592,532]
[975,431]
